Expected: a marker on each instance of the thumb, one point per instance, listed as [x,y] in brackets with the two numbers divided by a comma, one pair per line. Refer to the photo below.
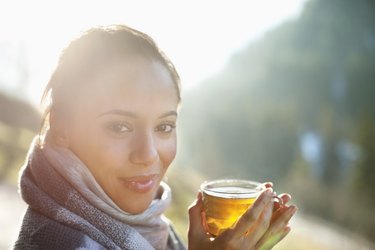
[196,218]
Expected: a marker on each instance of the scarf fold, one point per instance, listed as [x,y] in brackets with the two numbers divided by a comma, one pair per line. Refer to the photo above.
[56,183]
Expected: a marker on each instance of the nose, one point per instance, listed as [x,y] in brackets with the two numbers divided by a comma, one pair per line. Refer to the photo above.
[145,152]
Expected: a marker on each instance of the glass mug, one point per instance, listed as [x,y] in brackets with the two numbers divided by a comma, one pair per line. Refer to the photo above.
[224,201]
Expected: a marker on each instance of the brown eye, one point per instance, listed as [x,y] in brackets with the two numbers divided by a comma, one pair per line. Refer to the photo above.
[119,128]
[165,128]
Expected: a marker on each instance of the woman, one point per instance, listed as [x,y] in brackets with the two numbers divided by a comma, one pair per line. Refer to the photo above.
[93,177]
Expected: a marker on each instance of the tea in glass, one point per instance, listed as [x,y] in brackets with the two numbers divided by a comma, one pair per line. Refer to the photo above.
[224,201]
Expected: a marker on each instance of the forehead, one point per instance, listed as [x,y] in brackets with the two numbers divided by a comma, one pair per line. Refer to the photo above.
[134,85]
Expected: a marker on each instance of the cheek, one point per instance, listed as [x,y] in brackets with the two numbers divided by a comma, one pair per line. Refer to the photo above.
[168,152]
[112,153]
[98,151]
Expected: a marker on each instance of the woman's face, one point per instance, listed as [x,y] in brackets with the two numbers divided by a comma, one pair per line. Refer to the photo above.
[124,131]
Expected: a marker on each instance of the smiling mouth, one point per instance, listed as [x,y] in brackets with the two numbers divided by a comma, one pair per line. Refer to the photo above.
[140,184]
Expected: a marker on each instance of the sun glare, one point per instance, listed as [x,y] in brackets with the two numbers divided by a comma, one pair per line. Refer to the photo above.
[198,36]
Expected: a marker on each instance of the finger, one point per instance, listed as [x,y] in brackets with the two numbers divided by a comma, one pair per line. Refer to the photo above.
[196,227]
[271,242]
[250,217]
[285,198]
[277,206]
[256,232]
[278,226]
[278,212]
[268,184]
[282,200]
[284,233]
[283,218]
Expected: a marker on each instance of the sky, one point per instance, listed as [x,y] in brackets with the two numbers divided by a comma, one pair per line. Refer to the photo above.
[198,36]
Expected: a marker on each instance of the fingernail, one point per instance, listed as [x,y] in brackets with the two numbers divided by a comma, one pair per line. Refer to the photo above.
[269,192]
[268,183]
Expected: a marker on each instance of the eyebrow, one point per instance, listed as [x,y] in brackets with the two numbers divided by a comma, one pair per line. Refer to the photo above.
[170,113]
[133,115]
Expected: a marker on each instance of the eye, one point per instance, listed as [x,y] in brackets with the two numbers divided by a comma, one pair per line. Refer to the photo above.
[165,127]
[119,128]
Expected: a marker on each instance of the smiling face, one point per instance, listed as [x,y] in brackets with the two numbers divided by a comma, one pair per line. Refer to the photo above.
[123,129]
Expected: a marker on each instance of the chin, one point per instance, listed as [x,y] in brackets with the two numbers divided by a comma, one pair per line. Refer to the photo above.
[136,210]
[136,203]
[136,206]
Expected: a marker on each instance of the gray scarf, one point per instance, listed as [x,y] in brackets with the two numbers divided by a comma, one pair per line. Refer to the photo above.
[56,183]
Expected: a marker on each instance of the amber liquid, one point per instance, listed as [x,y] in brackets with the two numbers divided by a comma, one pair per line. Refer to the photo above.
[223,210]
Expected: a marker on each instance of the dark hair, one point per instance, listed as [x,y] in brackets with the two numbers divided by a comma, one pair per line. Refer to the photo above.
[92,51]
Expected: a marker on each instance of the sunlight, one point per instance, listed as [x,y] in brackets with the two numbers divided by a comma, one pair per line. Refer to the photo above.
[278,91]
[198,36]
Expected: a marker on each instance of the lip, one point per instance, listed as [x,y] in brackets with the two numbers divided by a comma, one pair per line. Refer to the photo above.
[140,183]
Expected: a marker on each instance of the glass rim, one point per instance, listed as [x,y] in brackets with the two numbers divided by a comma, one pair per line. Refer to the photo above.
[251,188]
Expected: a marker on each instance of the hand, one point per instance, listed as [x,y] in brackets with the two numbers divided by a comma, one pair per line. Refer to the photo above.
[279,227]
[250,232]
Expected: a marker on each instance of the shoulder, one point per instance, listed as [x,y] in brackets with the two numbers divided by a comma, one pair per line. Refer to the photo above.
[40,232]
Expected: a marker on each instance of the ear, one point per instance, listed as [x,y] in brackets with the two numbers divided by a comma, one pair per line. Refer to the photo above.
[58,130]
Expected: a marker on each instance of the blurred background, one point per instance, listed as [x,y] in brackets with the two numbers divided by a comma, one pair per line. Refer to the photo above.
[280,91]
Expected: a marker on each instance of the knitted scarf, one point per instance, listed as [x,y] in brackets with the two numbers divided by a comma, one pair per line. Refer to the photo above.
[57,184]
